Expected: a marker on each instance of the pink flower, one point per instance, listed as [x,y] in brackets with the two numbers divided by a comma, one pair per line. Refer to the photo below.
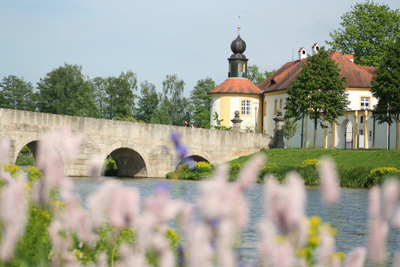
[200,252]
[4,148]
[285,203]
[329,182]
[13,213]
[356,257]
[96,164]
[377,237]
[122,205]
[374,202]
[266,245]
[249,174]
[284,255]
[390,198]
[325,249]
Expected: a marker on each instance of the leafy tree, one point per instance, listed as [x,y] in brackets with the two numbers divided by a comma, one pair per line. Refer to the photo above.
[218,122]
[290,129]
[148,102]
[172,97]
[100,95]
[255,76]
[120,97]
[125,118]
[386,87]
[365,31]
[15,93]
[200,102]
[318,92]
[161,115]
[67,91]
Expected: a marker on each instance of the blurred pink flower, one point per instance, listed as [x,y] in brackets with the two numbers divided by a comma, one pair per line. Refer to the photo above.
[54,148]
[96,165]
[374,202]
[249,173]
[5,145]
[13,213]
[390,198]
[325,249]
[121,204]
[377,237]
[131,257]
[356,257]
[285,204]
[284,255]
[329,181]
[266,245]
[161,205]
[200,252]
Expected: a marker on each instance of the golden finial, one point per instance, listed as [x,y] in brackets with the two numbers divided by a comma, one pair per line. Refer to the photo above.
[239,23]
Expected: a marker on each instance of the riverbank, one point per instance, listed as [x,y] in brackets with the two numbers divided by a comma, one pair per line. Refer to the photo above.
[356,168]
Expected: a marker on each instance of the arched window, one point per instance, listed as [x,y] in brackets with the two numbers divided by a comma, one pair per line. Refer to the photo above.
[246,107]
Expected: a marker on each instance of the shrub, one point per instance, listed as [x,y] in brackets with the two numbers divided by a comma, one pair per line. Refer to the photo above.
[378,175]
[202,166]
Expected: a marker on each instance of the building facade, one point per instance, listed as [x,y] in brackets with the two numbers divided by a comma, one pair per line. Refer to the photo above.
[258,105]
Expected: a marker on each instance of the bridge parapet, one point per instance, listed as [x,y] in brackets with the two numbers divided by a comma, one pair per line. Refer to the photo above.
[147,146]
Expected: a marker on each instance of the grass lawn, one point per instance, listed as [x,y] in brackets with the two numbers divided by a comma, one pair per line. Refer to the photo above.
[368,158]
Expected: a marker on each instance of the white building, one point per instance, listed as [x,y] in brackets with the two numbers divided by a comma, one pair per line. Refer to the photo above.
[258,104]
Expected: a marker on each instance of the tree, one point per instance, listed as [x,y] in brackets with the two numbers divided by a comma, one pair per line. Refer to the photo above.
[386,87]
[161,115]
[218,122]
[120,97]
[365,31]
[100,95]
[15,93]
[255,76]
[289,129]
[148,102]
[200,102]
[318,92]
[67,91]
[172,97]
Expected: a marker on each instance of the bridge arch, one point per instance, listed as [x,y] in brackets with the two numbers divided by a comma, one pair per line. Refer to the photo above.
[30,142]
[130,159]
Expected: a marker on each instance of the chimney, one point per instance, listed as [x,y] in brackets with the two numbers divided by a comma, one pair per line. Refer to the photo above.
[302,53]
[349,57]
[315,48]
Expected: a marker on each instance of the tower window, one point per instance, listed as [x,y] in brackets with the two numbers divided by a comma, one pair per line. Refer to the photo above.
[246,107]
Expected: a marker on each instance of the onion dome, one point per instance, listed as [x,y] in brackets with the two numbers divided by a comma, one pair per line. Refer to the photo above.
[238,46]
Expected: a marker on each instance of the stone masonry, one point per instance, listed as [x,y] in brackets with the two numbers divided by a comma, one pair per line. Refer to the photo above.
[140,149]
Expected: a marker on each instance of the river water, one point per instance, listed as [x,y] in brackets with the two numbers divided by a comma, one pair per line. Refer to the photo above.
[349,216]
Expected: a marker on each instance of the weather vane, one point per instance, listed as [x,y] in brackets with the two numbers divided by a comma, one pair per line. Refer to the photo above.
[239,24]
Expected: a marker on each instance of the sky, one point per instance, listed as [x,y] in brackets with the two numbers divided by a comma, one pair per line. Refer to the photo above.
[155,38]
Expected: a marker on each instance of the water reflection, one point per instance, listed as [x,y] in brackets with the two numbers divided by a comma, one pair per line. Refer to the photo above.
[349,217]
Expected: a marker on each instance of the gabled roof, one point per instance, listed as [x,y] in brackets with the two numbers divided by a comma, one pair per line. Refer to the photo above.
[236,86]
[357,76]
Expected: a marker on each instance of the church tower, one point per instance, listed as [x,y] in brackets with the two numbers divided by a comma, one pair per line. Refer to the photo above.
[236,93]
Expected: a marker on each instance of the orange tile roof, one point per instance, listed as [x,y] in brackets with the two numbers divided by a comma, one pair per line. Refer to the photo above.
[236,86]
[357,76]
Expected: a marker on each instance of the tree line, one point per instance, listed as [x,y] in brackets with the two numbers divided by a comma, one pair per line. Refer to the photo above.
[67,91]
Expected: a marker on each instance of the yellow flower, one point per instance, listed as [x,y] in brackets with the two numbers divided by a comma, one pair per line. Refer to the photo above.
[340,255]
[310,162]
[314,240]
[315,221]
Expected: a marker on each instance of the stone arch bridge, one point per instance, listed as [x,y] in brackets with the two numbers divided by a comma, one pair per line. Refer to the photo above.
[139,149]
